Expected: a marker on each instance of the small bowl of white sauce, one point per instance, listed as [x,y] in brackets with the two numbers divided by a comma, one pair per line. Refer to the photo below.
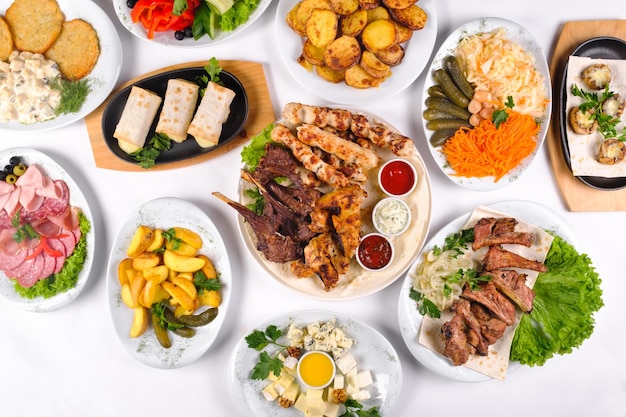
[391,216]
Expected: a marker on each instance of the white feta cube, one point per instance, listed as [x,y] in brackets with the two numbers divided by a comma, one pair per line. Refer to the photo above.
[363,379]
[270,393]
[290,362]
[361,395]
[332,410]
[339,382]
[345,363]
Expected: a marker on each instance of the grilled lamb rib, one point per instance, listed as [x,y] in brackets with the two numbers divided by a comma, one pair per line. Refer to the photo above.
[490,231]
[499,258]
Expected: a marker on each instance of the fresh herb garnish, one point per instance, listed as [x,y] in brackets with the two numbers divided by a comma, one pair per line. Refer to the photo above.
[259,340]
[500,116]
[159,311]
[170,236]
[179,7]
[73,94]
[424,305]
[258,201]
[23,231]
[213,71]
[203,283]
[607,124]
[456,242]
[146,156]
[354,408]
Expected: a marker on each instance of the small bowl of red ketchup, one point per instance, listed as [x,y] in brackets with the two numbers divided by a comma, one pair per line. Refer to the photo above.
[397,177]
[375,252]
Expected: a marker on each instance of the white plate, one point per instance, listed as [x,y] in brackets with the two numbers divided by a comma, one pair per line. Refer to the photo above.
[410,319]
[165,213]
[77,199]
[371,350]
[417,53]
[515,33]
[104,75]
[361,282]
[168,39]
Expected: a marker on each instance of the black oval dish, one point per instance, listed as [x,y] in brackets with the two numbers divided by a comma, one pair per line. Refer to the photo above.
[605,48]
[188,148]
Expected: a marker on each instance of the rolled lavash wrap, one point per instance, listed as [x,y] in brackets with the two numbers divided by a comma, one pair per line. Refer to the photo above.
[179,105]
[139,112]
[212,113]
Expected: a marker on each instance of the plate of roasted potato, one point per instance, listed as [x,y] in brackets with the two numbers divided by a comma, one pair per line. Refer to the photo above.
[168,283]
[348,52]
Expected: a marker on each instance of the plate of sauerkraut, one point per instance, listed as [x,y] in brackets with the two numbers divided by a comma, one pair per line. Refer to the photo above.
[487,103]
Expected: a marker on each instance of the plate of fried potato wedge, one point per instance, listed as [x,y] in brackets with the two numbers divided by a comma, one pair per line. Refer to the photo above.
[355,55]
[303,251]
[83,17]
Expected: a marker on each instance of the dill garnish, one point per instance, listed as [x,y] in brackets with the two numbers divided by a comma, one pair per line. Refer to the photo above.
[73,94]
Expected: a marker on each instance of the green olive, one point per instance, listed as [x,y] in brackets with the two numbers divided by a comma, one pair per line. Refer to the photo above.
[11,178]
[19,169]
[201,319]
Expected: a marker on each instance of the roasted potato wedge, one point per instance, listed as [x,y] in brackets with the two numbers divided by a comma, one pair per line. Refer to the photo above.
[294,23]
[141,240]
[330,74]
[342,53]
[188,236]
[305,64]
[145,260]
[413,17]
[208,268]
[321,27]
[344,7]
[403,33]
[357,77]
[312,53]
[182,263]
[391,56]
[353,24]
[140,322]
[307,6]
[379,35]
[377,13]
[398,4]
[374,66]
[369,4]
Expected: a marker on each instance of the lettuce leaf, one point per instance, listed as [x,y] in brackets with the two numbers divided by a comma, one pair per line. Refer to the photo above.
[565,299]
[238,14]
[252,153]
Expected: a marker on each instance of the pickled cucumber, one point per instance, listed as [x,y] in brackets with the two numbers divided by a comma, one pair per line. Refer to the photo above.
[438,124]
[454,69]
[446,106]
[185,332]
[436,91]
[440,136]
[195,320]
[452,91]
[161,332]
[432,114]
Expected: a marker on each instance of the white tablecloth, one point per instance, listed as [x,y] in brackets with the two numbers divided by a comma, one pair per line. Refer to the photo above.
[70,363]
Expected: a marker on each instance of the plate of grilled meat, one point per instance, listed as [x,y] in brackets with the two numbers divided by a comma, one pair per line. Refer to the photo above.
[309,185]
[467,305]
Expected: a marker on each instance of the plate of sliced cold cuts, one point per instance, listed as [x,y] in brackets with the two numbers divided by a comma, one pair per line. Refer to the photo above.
[46,237]
[486,295]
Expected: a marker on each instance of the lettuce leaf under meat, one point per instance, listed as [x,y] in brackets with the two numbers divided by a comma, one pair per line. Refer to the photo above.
[565,299]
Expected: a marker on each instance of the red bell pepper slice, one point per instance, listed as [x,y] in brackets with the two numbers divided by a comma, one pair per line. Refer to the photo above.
[158,16]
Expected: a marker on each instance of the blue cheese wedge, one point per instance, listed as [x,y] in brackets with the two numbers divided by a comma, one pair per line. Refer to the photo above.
[137,117]
[178,109]
[212,113]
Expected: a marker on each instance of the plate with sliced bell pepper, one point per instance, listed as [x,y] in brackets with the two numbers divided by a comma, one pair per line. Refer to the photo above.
[188,23]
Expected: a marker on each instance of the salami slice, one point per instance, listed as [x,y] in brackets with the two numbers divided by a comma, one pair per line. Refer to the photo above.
[8,262]
[49,263]
[33,274]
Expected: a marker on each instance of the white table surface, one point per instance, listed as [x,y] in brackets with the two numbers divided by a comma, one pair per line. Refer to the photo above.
[70,363]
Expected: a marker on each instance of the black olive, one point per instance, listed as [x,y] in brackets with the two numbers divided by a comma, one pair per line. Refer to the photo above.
[3,176]
[179,35]
[15,160]
[11,178]
[188,32]
[131,3]
[8,169]
[19,169]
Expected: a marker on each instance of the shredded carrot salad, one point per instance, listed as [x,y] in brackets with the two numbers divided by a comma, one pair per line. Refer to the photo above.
[486,151]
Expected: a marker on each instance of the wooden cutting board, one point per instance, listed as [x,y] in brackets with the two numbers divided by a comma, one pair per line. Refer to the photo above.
[578,196]
[261,113]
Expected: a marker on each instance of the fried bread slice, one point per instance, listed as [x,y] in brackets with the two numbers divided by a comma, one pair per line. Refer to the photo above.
[34,24]
[6,40]
[76,50]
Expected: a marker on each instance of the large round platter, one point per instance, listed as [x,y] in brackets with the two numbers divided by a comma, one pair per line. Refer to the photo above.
[54,171]
[164,213]
[410,319]
[158,84]
[371,350]
[167,38]
[359,282]
[515,33]
[605,48]
[104,75]
[417,53]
